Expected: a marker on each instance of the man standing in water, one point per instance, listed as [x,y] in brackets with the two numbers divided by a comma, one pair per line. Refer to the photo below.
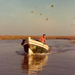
[42,39]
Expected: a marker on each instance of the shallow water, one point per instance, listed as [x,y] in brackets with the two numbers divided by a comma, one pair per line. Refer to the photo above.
[59,61]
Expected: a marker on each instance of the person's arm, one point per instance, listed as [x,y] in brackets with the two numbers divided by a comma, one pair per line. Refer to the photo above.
[45,41]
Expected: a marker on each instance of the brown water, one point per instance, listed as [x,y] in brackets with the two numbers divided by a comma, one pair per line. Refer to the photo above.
[60,60]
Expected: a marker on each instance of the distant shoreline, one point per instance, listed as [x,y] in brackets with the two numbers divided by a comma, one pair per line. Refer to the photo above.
[13,37]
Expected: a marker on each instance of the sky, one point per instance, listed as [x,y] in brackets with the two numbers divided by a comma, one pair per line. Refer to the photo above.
[16,17]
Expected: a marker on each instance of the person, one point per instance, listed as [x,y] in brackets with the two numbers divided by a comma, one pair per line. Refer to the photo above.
[42,39]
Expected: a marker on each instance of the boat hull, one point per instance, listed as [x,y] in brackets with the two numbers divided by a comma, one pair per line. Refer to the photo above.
[37,49]
[34,48]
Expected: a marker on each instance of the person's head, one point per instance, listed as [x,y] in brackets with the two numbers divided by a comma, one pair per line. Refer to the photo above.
[44,35]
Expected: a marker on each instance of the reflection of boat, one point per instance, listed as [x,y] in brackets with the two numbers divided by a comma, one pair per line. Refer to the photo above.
[32,46]
[32,64]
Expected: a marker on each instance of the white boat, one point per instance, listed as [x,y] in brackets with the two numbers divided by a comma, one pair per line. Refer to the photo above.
[32,46]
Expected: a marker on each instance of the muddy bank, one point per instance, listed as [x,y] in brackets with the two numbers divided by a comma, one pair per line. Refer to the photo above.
[11,37]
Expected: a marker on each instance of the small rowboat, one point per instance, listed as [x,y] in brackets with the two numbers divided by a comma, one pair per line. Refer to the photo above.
[34,46]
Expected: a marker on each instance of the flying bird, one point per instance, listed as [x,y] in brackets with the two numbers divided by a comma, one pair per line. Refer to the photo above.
[52,19]
[71,24]
[52,6]
[40,13]
[46,18]
[31,11]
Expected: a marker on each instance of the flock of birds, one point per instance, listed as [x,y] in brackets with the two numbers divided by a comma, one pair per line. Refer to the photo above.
[52,19]
[41,13]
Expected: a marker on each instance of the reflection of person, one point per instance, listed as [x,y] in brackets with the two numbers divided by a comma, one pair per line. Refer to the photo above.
[42,39]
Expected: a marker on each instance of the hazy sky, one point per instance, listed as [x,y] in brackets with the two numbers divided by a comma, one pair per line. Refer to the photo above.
[16,17]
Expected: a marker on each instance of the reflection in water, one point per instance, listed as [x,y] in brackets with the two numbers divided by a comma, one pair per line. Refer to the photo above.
[33,64]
